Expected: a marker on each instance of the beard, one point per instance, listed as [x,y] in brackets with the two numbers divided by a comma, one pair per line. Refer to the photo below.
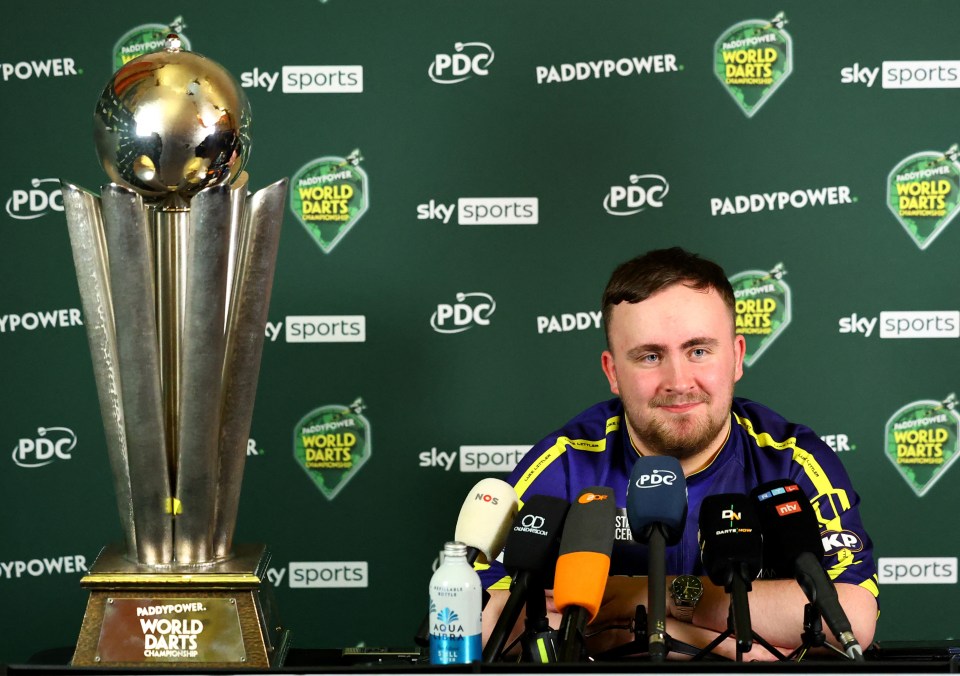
[680,436]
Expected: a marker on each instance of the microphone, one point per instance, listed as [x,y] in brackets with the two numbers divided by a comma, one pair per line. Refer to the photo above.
[482,526]
[530,550]
[583,566]
[791,542]
[657,510]
[731,548]
[485,519]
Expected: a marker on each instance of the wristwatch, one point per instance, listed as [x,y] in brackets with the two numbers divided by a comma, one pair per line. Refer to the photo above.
[685,590]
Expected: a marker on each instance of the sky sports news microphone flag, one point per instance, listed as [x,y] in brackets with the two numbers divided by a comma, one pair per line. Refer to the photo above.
[484,521]
[529,556]
[657,511]
[792,547]
[583,566]
[731,547]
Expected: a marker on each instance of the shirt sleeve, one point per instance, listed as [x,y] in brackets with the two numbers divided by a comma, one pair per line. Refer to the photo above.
[848,549]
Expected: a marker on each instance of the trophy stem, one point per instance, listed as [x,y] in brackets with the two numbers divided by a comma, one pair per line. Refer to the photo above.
[170,236]
[259,239]
[89,246]
[132,279]
[201,370]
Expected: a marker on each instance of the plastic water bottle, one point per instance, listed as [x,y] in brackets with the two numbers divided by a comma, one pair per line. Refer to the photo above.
[455,609]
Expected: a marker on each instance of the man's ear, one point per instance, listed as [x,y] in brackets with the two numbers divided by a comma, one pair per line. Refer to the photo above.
[610,371]
[739,352]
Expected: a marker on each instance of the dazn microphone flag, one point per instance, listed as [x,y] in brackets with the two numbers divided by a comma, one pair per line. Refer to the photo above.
[730,538]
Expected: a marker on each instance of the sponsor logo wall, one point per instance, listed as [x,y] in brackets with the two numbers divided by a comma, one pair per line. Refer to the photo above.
[456,309]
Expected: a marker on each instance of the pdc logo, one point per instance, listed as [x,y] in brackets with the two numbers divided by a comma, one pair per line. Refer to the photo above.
[645,190]
[25,205]
[658,477]
[469,59]
[51,443]
[471,309]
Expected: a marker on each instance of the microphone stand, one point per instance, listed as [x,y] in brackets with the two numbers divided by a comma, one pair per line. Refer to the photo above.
[729,632]
[813,636]
[657,591]
[641,644]
[539,641]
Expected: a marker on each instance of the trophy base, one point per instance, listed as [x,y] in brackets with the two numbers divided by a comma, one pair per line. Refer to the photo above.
[211,615]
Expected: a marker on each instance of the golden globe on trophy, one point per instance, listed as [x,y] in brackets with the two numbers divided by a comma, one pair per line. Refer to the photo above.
[175,265]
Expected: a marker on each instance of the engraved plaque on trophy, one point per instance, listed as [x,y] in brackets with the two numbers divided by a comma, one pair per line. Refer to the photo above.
[175,265]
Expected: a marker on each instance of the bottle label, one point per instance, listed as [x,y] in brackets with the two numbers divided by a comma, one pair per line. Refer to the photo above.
[455,649]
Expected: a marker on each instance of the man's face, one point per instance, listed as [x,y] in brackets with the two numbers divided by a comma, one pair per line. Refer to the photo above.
[673,360]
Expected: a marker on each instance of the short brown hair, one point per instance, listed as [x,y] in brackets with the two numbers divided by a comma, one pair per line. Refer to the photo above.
[641,277]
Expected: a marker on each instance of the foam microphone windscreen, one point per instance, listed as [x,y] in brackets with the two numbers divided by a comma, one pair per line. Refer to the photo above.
[532,543]
[730,538]
[657,494]
[486,516]
[789,525]
[585,548]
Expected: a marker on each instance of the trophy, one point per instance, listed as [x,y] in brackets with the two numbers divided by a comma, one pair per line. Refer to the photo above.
[175,266]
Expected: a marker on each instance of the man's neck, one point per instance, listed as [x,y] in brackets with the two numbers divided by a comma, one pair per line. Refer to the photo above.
[694,463]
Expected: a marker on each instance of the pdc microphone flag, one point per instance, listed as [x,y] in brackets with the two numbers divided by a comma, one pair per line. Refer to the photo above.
[657,512]
[529,555]
[792,547]
[583,566]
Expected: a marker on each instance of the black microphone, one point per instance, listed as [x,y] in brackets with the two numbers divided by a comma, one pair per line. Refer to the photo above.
[731,548]
[485,517]
[657,510]
[583,566]
[792,545]
[528,555]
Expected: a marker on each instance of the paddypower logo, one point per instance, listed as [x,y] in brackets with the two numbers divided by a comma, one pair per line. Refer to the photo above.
[763,308]
[146,38]
[39,68]
[922,193]
[921,441]
[329,195]
[331,444]
[778,201]
[752,59]
[604,69]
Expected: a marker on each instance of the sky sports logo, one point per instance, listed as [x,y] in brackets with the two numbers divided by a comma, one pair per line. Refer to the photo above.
[906,324]
[487,459]
[307,79]
[905,75]
[329,574]
[918,570]
[483,211]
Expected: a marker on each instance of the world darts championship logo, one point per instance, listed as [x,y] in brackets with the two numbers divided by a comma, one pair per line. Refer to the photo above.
[752,59]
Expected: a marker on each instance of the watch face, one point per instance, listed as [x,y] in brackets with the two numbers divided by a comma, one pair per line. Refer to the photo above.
[686,588]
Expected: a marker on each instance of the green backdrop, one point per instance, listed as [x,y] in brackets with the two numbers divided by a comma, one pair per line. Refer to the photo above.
[559,147]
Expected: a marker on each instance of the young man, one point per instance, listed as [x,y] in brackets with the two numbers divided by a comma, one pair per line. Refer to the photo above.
[672,360]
